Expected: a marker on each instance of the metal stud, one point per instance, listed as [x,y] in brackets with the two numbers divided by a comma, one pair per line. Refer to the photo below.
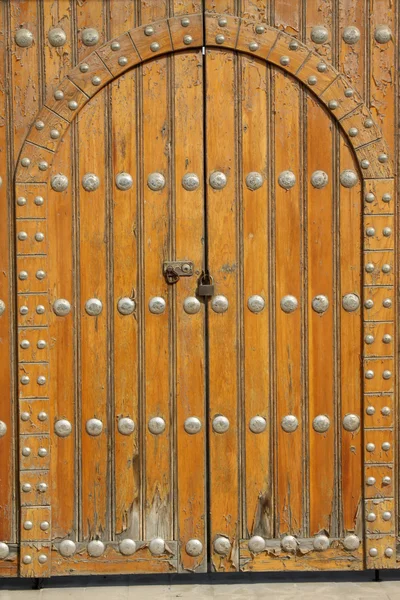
[351,35]
[21,201]
[28,525]
[39,237]
[369,197]
[218,180]
[220,38]
[39,125]
[58,95]
[373,552]
[370,447]
[289,304]
[123,181]
[369,374]
[387,303]
[154,47]
[333,104]
[349,93]
[93,307]
[3,429]
[26,451]
[156,181]
[387,374]
[387,232]
[42,487]
[365,164]
[72,105]
[96,80]
[222,545]
[54,134]
[84,68]
[191,305]
[22,236]
[386,515]
[320,304]
[90,182]
[149,30]
[322,67]
[40,274]
[389,552]
[2,307]
[27,559]
[24,310]
[115,46]
[370,232]
[126,426]
[370,410]
[351,422]
[42,416]
[289,423]
[190,182]
[287,180]
[222,21]
[94,427]
[293,45]
[369,304]
[284,60]
[44,525]
[289,543]
[371,517]
[312,80]
[353,131]
[157,546]
[24,38]
[386,480]
[350,302]
[122,61]
[156,425]
[257,424]
[157,305]
[59,182]
[319,34]
[368,123]
[321,542]
[192,425]
[348,178]
[42,559]
[370,267]
[321,423]
[386,268]
[57,37]
[95,548]
[194,547]
[25,379]
[187,40]
[256,304]
[254,46]
[126,306]
[127,547]
[219,304]
[382,34]
[41,380]
[26,487]
[61,307]
[185,22]
[25,162]
[90,36]
[371,481]
[386,446]
[319,179]
[220,424]
[25,416]
[254,180]
[385,410]
[383,158]
[387,338]
[256,544]
[62,428]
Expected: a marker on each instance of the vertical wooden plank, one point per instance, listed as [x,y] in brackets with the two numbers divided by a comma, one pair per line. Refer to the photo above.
[93,281]
[186,7]
[222,209]
[351,14]
[125,282]
[220,6]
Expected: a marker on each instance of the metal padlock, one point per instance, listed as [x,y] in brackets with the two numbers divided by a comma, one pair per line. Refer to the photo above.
[206,285]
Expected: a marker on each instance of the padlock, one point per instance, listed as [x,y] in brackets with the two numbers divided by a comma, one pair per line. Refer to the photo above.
[206,285]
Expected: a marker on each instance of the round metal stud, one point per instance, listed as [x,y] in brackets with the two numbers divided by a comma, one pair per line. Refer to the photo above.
[386,480]
[157,305]
[222,545]
[389,552]
[386,515]
[21,201]
[222,21]
[126,426]
[312,80]
[90,36]
[386,446]
[289,304]
[127,547]
[256,304]
[287,180]
[256,544]
[385,410]
[321,423]
[371,517]
[353,131]
[369,304]
[2,307]
[26,451]
[25,416]
[44,525]
[322,67]
[194,547]
[3,429]
[24,310]
[254,46]
[373,552]
[257,424]
[319,34]
[185,22]
[219,304]
[351,422]
[220,424]
[382,34]
[387,232]
[387,303]
[284,60]
[320,304]
[39,201]
[187,40]
[72,105]
[67,548]
[348,178]
[156,425]
[333,104]
[58,95]
[95,548]
[319,179]
[386,268]
[28,525]
[42,452]
[156,181]
[191,305]
[42,416]
[39,237]
[126,306]
[39,125]
[40,274]
[350,302]
[62,428]
[369,197]
[115,46]
[154,47]
[254,180]
[387,339]
[25,162]
[42,559]
[96,80]
[289,543]
[149,30]
[61,307]
[59,182]
[192,425]
[54,134]
[371,480]
[123,181]
[218,180]
[351,35]
[42,487]
[122,61]
[349,93]
[93,307]
[370,447]
[25,380]
[24,38]
[94,427]
[365,164]
[387,374]
[383,158]
[220,38]
[289,423]
[26,487]
[90,182]
[190,182]
[27,559]
[293,45]
[369,374]
[351,542]
[370,410]
[321,542]
[370,267]
[22,236]
[157,546]
[57,37]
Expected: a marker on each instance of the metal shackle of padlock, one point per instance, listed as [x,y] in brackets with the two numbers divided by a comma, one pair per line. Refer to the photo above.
[205,285]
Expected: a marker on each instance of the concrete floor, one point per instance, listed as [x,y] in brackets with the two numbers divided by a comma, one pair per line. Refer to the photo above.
[303,587]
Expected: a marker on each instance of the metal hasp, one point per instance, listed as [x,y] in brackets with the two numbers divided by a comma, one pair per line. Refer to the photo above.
[205,285]
[175,269]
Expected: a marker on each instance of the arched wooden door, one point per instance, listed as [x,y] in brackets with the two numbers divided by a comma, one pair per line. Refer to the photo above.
[175,422]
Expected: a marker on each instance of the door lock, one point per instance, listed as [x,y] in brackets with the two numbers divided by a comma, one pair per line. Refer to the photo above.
[175,269]
[205,286]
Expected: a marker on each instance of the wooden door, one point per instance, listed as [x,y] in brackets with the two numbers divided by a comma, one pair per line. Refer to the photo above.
[150,427]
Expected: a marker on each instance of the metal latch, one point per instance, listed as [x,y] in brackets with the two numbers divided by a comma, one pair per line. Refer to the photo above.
[174,269]
[206,285]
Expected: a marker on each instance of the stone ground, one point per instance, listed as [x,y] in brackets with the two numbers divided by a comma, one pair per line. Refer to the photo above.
[305,586]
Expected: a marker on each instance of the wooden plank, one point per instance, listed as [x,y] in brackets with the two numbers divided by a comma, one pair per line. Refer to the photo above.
[352,59]
[253,9]
[186,7]
[225,350]
[93,283]
[220,6]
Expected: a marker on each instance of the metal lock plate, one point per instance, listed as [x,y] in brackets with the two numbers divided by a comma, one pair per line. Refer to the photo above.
[205,286]
[175,269]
